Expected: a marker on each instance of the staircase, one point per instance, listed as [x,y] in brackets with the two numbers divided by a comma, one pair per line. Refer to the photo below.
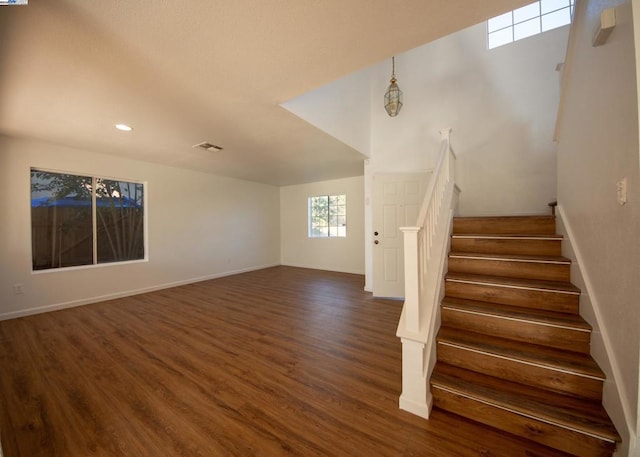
[512,350]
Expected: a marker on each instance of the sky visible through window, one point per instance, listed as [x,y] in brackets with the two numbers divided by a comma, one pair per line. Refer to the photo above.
[529,20]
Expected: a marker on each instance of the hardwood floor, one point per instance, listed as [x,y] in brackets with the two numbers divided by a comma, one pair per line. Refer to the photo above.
[282,361]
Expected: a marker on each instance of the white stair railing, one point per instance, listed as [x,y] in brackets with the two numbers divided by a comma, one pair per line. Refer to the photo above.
[425,253]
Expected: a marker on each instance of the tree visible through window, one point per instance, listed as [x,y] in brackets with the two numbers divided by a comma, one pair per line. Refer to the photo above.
[84,220]
[328,216]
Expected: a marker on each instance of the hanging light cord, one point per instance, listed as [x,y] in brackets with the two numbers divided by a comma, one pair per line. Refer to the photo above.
[393,69]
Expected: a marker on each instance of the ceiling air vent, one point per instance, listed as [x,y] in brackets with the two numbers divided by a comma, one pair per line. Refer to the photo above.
[208,147]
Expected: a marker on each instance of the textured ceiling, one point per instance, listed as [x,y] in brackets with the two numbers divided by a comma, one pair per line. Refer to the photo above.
[183,72]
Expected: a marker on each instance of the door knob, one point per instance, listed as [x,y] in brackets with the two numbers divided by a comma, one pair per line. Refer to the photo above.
[376,242]
[375,233]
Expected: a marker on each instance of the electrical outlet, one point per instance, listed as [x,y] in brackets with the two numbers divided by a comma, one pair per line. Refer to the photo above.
[622,191]
[18,289]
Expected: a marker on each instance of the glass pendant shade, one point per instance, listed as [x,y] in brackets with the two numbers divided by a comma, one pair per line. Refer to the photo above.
[393,99]
[393,95]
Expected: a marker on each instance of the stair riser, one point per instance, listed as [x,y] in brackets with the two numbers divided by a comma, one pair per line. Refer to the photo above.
[506,246]
[511,269]
[556,337]
[553,436]
[513,370]
[510,225]
[538,299]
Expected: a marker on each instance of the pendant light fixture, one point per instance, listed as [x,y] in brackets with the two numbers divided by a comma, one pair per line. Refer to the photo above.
[393,95]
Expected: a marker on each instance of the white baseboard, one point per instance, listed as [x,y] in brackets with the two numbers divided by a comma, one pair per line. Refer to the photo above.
[128,293]
[317,267]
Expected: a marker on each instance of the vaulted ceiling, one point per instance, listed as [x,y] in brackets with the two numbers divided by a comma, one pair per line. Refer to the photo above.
[184,72]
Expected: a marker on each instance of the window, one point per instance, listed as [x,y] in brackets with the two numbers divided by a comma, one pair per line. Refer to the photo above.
[84,220]
[328,216]
[529,20]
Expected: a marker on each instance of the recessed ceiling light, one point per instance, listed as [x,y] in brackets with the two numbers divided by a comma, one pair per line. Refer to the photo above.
[124,127]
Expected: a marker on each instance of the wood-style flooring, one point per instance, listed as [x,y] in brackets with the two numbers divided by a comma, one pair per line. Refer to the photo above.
[276,362]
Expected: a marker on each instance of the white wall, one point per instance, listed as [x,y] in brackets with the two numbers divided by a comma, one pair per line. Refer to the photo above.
[335,254]
[598,145]
[200,226]
[636,34]
[340,108]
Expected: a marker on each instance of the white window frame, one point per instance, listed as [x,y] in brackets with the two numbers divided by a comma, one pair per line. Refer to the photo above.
[95,263]
[338,228]
[510,21]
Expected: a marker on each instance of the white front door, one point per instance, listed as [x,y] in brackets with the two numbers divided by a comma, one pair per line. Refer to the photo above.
[396,203]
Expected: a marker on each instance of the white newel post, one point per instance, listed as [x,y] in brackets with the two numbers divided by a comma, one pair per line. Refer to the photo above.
[416,397]
[411,278]
[445,134]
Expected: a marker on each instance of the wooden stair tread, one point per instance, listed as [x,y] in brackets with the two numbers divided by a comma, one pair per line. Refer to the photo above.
[505,218]
[534,284]
[505,224]
[494,442]
[512,257]
[544,317]
[510,236]
[584,416]
[532,354]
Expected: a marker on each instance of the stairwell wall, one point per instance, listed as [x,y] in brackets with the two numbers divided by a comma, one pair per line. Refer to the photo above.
[501,105]
[598,145]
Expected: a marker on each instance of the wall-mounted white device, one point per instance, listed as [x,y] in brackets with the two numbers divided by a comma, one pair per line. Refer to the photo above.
[605,27]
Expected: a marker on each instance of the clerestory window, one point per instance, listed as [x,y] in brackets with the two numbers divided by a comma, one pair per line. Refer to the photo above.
[529,20]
